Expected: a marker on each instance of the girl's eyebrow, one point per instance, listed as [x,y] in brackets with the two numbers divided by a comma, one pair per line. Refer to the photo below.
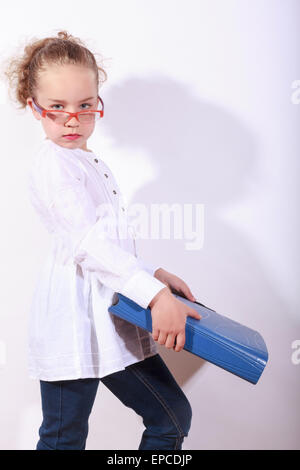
[62,101]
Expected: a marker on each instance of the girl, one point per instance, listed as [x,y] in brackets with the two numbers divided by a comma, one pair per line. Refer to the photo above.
[73,340]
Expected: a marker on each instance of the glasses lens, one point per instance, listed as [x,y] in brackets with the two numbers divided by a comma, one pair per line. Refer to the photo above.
[60,118]
[57,117]
[91,116]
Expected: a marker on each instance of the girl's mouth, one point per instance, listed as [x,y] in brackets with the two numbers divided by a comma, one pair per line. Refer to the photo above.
[71,136]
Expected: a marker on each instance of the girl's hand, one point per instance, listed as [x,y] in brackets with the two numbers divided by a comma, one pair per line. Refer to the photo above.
[175,284]
[169,319]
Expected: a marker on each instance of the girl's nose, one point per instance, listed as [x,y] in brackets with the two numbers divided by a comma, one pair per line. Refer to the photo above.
[73,121]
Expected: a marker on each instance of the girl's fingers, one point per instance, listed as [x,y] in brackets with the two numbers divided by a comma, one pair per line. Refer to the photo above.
[162,337]
[187,292]
[155,334]
[180,341]
[171,339]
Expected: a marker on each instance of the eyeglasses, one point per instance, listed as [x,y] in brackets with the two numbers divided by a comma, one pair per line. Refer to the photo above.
[61,117]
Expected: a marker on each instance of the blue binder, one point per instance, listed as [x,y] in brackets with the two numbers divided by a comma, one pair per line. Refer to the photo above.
[215,338]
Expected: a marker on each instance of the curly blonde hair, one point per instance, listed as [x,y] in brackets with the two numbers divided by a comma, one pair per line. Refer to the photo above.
[22,72]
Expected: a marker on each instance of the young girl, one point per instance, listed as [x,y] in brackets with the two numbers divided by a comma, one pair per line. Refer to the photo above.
[73,340]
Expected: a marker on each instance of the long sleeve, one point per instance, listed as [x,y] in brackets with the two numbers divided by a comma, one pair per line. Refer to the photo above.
[76,218]
[150,268]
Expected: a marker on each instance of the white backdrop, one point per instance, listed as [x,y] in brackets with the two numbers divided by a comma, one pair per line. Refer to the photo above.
[199,109]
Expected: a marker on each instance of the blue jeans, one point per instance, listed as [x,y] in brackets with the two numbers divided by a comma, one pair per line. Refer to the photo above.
[148,387]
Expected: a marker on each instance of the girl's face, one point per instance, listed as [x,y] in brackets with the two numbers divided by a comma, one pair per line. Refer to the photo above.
[66,88]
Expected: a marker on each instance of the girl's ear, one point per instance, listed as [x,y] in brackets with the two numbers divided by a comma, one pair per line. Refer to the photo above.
[29,102]
[34,112]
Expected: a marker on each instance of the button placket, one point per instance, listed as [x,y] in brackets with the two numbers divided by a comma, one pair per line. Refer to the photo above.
[114,191]
[132,234]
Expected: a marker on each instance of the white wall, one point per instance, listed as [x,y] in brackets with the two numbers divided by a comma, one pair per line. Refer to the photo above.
[198,108]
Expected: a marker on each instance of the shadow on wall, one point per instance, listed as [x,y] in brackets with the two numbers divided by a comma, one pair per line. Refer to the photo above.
[204,155]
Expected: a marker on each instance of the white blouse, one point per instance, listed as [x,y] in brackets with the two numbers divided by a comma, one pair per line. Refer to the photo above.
[70,331]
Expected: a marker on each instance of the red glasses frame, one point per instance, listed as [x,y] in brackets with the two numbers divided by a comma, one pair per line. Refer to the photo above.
[44,111]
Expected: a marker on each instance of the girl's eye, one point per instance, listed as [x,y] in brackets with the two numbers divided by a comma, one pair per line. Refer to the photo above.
[86,104]
[55,105]
[61,105]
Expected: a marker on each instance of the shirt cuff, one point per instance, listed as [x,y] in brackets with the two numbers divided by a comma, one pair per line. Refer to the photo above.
[142,287]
